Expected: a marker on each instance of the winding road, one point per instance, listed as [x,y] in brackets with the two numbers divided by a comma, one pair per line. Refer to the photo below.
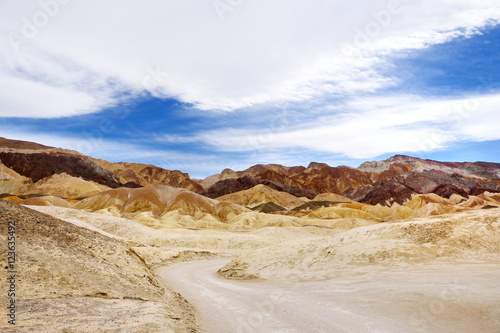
[433,299]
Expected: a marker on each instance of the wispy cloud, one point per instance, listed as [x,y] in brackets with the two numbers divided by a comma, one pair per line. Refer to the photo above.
[295,52]
[316,78]
[379,126]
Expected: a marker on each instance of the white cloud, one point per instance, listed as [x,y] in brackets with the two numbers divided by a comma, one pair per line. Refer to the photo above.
[86,53]
[28,98]
[380,126]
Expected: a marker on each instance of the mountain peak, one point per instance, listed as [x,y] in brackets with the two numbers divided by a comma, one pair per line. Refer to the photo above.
[317,165]
[18,144]
[403,159]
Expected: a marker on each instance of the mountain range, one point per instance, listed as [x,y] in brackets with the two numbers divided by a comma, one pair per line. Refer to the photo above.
[34,174]
[35,166]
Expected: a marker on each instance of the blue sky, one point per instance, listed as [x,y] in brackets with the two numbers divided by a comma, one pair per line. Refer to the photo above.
[201,86]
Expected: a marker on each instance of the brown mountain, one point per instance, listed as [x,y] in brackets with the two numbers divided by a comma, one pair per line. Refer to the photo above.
[228,186]
[18,144]
[145,175]
[38,162]
[387,192]
[272,172]
[39,165]
[299,181]
[324,178]
[376,182]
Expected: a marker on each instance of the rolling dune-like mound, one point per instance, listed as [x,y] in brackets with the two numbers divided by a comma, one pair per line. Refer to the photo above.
[127,200]
[420,200]
[341,213]
[168,206]
[389,213]
[261,194]
[481,201]
[432,209]
[331,197]
[62,185]
[10,185]
[456,198]
[9,174]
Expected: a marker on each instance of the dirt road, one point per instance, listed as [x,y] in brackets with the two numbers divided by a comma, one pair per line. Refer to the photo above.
[463,298]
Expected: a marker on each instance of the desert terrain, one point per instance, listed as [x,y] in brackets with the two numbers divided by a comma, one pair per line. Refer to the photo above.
[397,245]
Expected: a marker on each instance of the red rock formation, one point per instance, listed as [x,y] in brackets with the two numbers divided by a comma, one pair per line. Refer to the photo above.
[332,179]
[38,162]
[229,186]
[45,164]
[386,192]
[446,191]
[145,175]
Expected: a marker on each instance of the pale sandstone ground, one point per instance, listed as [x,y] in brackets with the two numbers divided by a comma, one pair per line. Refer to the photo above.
[455,297]
[451,238]
[72,279]
[340,247]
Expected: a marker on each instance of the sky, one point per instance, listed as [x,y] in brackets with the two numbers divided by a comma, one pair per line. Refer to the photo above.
[200,86]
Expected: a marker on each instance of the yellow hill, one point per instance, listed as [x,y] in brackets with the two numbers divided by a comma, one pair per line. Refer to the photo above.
[11,180]
[46,201]
[386,213]
[432,209]
[473,202]
[331,197]
[340,213]
[261,194]
[162,206]
[420,200]
[62,185]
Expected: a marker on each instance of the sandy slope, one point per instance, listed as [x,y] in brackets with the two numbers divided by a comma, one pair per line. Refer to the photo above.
[438,298]
[72,279]
[377,277]
[452,237]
